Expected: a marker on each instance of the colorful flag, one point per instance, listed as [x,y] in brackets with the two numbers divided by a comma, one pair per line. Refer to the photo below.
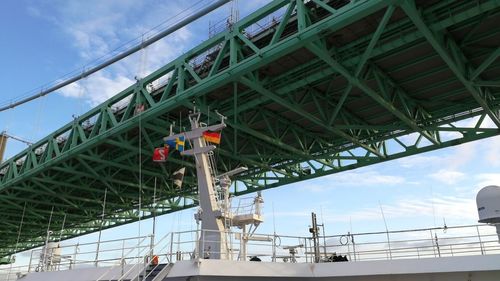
[213,137]
[160,154]
[178,177]
[177,143]
[170,143]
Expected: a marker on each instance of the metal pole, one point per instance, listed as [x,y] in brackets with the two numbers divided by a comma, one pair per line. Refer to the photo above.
[324,239]
[154,224]
[123,55]
[196,244]
[171,246]
[353,246]
[100,228]
[122,260]
[62,228]
[31,259]
[243,247]
[314,232]
[437,244]
[45,264]
[3,143]
[480,242]
[432,241]
[273,259]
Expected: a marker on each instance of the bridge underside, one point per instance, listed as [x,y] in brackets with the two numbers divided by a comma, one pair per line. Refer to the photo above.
[309,89]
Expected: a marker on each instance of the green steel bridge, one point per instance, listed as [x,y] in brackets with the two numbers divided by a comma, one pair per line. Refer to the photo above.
[310,88]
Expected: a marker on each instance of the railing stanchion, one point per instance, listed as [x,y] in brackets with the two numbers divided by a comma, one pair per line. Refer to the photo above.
[197,245]
[432,242]
[273,258]
[172,246]
[353,246]
[437,244]
[31,258]
[480,241]
[123,250]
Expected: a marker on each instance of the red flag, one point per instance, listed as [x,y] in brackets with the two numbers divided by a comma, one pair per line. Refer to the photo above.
[160,154]
[213,137]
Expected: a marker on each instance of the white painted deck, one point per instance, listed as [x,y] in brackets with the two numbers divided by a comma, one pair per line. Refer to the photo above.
[483,268]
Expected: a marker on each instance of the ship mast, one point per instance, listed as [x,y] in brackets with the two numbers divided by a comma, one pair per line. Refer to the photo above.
[214,211]
[212,240]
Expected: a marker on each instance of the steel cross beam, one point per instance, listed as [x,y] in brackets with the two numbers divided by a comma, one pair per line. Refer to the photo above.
[324,55]
[410,9]
[239,53]
[259,88]
[471,133]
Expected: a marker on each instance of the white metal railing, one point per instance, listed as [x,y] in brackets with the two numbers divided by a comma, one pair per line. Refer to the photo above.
[11,273]
[102,254]
[136,253]
[417,243]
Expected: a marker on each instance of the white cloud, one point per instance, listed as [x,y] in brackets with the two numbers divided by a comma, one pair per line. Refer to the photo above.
[449,207]
[97,34]
[488,123]
[464,153]
[487,179]
[418,161]
[493,152]
[97,88]
[367,178]
[358,178]
[74,90]
[409,139]
[448,176]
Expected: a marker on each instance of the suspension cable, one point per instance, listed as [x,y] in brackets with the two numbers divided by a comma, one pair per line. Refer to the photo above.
[120,56]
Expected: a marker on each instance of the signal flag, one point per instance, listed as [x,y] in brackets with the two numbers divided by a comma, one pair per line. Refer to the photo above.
[160,154]
[178,177]
[213,137]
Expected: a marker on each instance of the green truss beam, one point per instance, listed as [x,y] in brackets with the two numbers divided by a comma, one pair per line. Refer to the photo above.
[301,100]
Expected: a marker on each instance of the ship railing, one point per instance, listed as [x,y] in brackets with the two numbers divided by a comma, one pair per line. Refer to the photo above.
[147,257]
[246,205]
[416,243]
[102,253]
[11,273]
[387,245]
[187,245]
[80,255]
[132,257]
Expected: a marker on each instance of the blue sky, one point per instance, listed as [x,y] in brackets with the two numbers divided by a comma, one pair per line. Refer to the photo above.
[44,40]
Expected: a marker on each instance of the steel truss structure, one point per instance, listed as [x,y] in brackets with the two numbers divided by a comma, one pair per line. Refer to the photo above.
[310,88]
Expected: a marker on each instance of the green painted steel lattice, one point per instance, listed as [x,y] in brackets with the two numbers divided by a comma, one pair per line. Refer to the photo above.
[310,88]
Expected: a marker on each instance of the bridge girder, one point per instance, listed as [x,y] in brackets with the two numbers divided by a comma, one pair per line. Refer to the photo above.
[330,87]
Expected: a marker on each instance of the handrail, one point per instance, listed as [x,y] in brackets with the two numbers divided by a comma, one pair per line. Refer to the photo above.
[121,261]
[176,246]
[148,253]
